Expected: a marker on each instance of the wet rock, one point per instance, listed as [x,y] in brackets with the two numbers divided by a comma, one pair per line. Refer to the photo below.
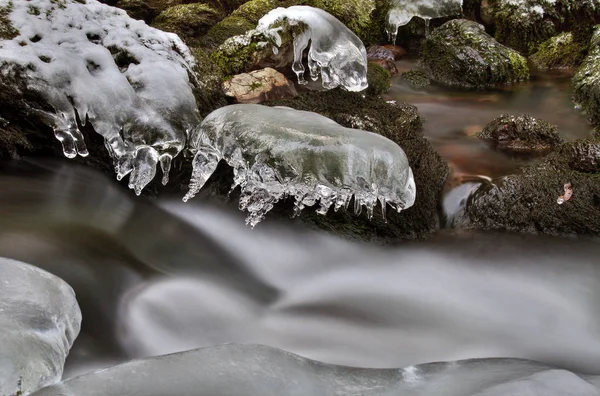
[138,9]
[400,123]
[586,82]
[380,52]
[397,51]
[416,79]
[379,79]
[521,134]
[208,93]
[460,53]
[259,86]
[189,21]
[527,201]
[560,52]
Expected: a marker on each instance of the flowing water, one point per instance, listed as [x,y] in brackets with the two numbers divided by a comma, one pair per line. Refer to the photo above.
[155,277]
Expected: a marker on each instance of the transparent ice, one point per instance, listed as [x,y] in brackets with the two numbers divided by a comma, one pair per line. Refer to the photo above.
[39,320]
[336,53]
[403,11]
[92,62]
[255,370]
[277,152]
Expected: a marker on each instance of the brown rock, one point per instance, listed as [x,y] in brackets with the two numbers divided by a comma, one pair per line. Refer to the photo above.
[398,52]
[259,86]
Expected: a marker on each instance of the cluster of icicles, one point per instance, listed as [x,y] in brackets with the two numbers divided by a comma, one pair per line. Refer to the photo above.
[134,84]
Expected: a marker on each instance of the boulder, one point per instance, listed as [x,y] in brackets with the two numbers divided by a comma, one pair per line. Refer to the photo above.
[460,53]
[521,134]
[586,82]
[529,201]
[560,53]
[259,86]
[379,79]
[189,21]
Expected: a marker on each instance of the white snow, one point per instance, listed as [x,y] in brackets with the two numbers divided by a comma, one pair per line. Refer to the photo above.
[39,320]
[403,11]
[336,53]
[278,152]
[139,98]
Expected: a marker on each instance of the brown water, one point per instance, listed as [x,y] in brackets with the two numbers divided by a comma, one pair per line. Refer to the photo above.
[452,117]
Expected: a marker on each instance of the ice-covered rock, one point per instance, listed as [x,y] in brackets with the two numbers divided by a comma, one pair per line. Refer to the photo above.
[92,63]
[336,53]
[255,370]
[278,152]
[402,11]
[39,320]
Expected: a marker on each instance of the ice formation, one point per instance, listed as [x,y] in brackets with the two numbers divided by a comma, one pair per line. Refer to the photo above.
[336,53]
[39,320]
[277,152]
[256,370]
[402,11]
[92,62]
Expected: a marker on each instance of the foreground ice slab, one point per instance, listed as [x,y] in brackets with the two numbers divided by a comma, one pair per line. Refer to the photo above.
[39,320]
[403,11]
[254,370]
[92,62]
[277,152]
[336,53]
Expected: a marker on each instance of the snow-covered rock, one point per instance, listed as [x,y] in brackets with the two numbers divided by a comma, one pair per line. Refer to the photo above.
[39,320]
[278,152]
[92,63]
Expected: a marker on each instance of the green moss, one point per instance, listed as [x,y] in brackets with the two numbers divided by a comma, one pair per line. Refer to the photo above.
[586,82]
[559,53]
[355,14]
[7,31]
[416,79]
[253,10]
[138,9]
[207,90]
[460,53]
[379,79]
[189,21]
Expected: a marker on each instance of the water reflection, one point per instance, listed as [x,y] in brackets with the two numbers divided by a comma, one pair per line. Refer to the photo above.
[166,276]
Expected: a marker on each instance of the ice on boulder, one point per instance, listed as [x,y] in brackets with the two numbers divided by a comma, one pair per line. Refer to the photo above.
[402,11]
[255,370]
[336,53]
[39,320]
[277,152]
[92,62]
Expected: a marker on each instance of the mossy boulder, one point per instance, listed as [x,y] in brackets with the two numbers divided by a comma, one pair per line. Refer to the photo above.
[528,201]
[207,88]
[460,53]
[416,79]
[379,79]
[586,82]
[521,134]
[560,52]
[189,21]
[138,9]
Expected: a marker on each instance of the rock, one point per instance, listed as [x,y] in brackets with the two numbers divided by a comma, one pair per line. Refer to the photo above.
[460,53]
[586,82]
[259,86]
[416,79]
[560,52]
[521,134]
[7,31]
[189,21]
[387,65]
[397,51]
[138,9]
[376,52]
[527,202]
[379,79]
[40,320]
[207,91]
[400,123]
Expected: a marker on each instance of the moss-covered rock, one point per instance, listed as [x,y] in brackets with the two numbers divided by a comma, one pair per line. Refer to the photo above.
[138,9]
[528,201]
[207,90]
[417,79]
[189,21]
[460,53]
[521,134]
[357,15]
[586,82]
[7,31]
[379,79]
[560,52]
